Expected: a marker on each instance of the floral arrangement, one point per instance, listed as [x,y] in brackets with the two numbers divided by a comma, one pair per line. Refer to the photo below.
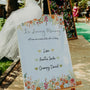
[53,84]
[54,19]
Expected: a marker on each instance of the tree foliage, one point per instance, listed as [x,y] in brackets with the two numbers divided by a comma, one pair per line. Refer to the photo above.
[81,3]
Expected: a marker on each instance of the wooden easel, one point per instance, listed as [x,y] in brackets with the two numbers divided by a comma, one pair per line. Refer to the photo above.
[48,11]
[78,83]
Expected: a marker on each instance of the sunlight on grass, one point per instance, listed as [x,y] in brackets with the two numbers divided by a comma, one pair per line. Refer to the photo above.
[4,64]
[2,21]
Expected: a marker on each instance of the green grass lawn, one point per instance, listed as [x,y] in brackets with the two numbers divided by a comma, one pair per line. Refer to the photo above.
[1,23]
[4,64]
[83,29]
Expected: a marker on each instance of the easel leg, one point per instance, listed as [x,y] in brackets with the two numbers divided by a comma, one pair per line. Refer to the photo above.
[72,88]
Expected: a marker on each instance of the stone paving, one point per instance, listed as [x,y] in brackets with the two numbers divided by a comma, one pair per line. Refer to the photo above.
[80,54]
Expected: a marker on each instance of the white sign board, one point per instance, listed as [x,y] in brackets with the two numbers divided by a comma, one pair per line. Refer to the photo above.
[45,56]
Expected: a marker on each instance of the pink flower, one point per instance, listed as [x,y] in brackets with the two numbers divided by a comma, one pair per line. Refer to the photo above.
[46,19]
[33,87]
[28,87]
[45,85]
[72,80]
[28,82]
[53,79]
[50,2]
[64,80]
